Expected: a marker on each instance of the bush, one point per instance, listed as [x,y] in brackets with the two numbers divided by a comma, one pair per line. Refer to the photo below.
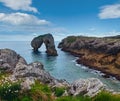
[59,91]
[9,92]
[40,92]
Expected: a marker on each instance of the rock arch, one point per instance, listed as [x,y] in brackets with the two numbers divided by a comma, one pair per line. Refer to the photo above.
[48,40]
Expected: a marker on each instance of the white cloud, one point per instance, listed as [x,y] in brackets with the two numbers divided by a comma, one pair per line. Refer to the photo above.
[24,5]
[21,19]
[110,11]
[92,29]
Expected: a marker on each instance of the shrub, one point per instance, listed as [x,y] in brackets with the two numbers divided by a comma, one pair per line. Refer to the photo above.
[9,91]
[59,91]
[40,92]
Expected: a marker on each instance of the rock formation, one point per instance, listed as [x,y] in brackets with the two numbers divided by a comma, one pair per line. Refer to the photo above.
[14,63]
[28,73]
[48,40]
[102,54]
[89,87]
[9,59]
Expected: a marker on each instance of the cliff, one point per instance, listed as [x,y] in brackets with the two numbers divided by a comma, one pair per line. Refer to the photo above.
[102,54]
[20,80]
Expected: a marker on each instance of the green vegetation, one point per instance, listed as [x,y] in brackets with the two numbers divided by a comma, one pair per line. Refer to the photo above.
[77,98]
[41,36]
[59,91]
[105,96]
[110,40]
[9,92]
[40,92]
[71,39]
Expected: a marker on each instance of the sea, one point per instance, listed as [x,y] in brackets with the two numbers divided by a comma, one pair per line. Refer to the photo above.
[63,66]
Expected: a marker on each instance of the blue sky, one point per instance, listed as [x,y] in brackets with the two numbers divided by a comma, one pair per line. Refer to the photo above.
[24,19]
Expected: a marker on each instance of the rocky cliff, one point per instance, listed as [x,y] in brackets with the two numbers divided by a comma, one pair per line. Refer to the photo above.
[102,54]
[48,40]
[27,74]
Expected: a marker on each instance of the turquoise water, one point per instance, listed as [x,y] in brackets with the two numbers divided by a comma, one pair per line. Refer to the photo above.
[62,66]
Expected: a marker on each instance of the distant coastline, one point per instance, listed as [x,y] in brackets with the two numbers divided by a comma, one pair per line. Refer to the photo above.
[97,53]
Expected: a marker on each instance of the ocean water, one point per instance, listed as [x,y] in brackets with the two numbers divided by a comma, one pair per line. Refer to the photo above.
[62,66]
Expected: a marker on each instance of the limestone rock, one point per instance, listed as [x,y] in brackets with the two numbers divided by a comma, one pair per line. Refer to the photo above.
[48,40]
[26,84]
[101,54]
[90,87]
[28,73]
[37,72]
[9,59]
[108,45]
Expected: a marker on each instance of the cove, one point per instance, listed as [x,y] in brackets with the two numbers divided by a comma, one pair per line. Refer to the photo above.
[62,67]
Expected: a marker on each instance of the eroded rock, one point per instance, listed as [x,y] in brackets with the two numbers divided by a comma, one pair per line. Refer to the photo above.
[48,40]
[28,73]
[101,54]
[89,87]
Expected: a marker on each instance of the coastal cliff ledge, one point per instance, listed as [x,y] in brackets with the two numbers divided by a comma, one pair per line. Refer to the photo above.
[102,54]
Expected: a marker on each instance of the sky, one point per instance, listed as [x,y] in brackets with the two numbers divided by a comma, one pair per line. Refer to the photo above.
[21,20]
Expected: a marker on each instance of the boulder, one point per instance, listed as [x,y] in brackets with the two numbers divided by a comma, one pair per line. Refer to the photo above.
[48,40]
[89,87]
[9,59]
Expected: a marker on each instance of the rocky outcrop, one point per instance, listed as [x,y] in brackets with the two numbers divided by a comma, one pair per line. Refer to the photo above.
[9,59]
[102,54]
[48,40]
[36,71]
[28,73]
[89,87]
[21,70]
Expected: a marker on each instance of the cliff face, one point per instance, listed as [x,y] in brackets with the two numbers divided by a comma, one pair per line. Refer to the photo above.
[48,40]
[98,53]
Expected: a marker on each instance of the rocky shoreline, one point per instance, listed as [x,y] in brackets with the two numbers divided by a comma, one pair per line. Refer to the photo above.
[27,74]
[102,54]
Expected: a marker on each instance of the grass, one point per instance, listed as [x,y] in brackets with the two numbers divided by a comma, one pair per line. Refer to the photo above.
[59,91]
[102,96]
[41,92]
[71,39]
[9,91]
[106,96]
[70,98]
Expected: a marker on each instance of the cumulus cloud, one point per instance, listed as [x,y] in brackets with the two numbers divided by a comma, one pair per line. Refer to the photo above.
[24,5]
[21,19]
[110,11]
